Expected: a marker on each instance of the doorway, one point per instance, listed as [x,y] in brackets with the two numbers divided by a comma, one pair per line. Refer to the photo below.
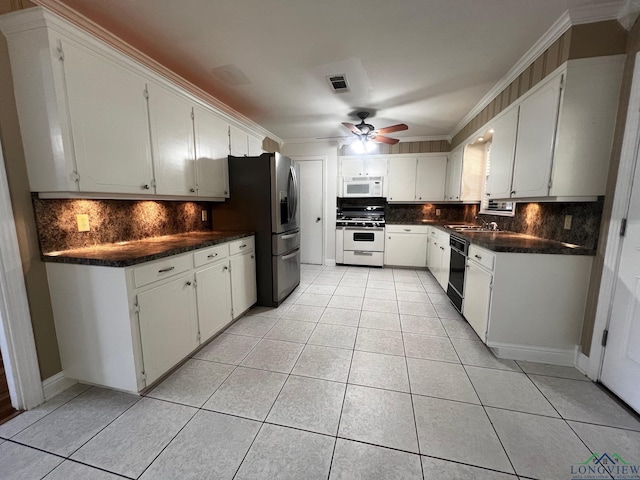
[311,175]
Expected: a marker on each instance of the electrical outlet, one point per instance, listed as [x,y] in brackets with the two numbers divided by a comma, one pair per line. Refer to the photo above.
[83,222]
[437,212]
[567,222]
[204,215]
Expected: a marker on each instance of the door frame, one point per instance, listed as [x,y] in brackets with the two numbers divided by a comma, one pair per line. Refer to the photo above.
[613,249]
[323,159]
[16,332]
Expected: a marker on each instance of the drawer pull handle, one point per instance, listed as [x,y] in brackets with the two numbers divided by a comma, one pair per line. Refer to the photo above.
[165,270]
[478,257]
[287,237]
[407,229]
[364,254]
[212,255]
[243,245]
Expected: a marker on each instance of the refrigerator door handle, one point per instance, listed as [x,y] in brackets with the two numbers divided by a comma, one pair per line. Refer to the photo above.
[291,255]
[294,179]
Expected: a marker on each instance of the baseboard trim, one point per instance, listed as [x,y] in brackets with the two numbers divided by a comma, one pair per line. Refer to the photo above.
[553,356]
[582,363]
[56,384]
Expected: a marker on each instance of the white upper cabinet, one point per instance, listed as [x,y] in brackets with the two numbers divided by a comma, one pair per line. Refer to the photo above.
[430,178]
[503,148]
[255,146]
[454,175]
[560,134]
[108,115]
[212,150]
[170,117]
[402,179]
[362,165]
[534,147]
[419,178]
[95,121]
[238,142]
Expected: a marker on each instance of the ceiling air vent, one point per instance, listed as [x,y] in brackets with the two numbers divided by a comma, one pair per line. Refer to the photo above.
[338,83]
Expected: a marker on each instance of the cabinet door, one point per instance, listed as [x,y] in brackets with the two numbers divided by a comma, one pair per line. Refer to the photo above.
[402,179]
[445,249]
[430,178]
[172,142]
[454,176]
[406,249]
[503,146]
[213,293]
[376,166]
[477,298]
[168,325]
[109,122]
[536,138]
[212,151]
[238,142]
[352,167]
[255,146]
[243,282]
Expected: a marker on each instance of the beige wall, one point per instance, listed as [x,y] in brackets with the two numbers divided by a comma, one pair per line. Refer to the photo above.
[34,271]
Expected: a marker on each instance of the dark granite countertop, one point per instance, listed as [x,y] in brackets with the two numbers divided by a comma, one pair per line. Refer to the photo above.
[509,242]
[124,254]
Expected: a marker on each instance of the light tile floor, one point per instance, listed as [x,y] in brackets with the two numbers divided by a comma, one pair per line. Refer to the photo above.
[361,374]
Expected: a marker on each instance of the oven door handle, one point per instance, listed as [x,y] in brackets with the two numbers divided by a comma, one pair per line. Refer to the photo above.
[368,229]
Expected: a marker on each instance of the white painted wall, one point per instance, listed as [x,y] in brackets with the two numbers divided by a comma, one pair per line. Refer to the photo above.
[328,150]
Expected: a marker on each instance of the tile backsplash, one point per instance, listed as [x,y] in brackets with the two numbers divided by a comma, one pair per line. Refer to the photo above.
[113,221]
[545,220]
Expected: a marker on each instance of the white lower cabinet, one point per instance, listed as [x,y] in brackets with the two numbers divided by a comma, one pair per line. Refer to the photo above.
[213,291]
[439,255]
[168,325]
[243,279]
[124,328]
[406,245]
[527,306]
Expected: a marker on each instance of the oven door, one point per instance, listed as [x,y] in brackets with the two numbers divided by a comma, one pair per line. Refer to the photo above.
[457,270]
[364,239]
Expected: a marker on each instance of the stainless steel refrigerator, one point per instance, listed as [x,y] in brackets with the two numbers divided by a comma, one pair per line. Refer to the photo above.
[263,198]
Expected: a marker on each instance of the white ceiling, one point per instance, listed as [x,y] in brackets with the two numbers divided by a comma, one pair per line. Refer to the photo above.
[425,63]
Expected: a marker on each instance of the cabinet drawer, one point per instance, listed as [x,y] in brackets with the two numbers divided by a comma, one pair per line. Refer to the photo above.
[210,255]
[165,268]
[407,229]
[482,256]
[243,245]
[363,258]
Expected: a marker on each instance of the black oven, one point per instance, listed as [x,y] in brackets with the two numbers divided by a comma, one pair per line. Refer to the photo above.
[457,269]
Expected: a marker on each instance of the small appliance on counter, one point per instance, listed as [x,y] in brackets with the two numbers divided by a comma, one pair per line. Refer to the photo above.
[264,199]
[360,231]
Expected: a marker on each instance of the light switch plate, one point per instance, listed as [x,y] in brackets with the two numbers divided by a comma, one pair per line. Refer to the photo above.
[204,215]
[437,212]
[567,222]
[83,222]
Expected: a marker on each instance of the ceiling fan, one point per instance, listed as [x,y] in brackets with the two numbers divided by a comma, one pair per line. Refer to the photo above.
[367,133]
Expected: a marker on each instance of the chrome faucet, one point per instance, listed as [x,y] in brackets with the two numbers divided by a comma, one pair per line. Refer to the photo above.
[485,225]
[493,226]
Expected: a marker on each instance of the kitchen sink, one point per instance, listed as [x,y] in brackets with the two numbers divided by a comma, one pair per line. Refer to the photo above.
[470,228]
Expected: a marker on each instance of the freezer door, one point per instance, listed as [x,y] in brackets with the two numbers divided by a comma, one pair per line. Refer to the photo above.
[286,274]
[282,243]
[285,199]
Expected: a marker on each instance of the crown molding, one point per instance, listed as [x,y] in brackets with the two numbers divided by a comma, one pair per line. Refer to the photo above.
[346,139]
[54,10]
[587,14]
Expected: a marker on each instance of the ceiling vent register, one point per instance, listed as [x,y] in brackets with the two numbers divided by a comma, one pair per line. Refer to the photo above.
[338,83]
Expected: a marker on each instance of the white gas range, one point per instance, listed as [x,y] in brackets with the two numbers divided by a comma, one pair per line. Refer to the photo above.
[360,231]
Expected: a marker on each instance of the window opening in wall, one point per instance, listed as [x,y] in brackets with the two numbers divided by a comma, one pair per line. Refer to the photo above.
[488,206]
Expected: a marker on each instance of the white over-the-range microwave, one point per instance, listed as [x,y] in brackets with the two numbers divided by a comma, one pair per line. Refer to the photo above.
[362,187]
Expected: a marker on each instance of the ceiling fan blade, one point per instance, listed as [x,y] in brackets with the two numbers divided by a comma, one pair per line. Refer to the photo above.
[393,128]
[352,127]
[387,140]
